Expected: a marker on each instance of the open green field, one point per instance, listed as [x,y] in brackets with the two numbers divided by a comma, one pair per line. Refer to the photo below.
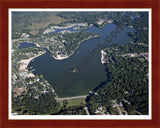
[32,22]
[74,102]
[53,19]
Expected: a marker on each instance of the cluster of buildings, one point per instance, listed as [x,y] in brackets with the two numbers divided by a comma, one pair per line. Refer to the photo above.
[24,36]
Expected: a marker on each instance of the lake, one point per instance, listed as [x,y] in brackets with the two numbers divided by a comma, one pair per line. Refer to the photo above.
[73,28]
[26,45]
[58,72]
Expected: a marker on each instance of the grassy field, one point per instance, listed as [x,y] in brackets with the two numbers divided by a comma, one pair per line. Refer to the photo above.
[32,22]
[54,19]
[74,102]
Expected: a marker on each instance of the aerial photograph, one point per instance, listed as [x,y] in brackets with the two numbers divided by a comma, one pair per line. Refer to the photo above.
[79,62]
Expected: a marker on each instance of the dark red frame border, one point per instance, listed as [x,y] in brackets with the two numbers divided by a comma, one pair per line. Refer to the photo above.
[6,4]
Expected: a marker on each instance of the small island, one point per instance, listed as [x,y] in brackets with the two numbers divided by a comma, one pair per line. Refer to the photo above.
[74,70]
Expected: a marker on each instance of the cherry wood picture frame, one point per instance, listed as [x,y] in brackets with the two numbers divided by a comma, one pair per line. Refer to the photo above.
[5,5]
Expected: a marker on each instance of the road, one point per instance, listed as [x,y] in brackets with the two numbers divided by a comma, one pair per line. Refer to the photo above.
[15,40]
[21,80]
[69,98]
[86,109]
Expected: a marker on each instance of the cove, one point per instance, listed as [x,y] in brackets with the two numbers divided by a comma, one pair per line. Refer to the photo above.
[89,77]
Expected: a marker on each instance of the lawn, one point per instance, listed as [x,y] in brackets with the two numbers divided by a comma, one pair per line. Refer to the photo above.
[74,102]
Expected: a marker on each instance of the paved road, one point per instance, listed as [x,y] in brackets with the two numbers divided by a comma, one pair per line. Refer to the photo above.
[21,80]
[68,98]
[86,109]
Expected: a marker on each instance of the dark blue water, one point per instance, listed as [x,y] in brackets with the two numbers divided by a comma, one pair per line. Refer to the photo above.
[26,45]
[70,29]
[92,72]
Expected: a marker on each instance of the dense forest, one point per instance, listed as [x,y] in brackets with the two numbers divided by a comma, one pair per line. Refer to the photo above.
[141,26]
[28,105]
[127,81]
[44,105]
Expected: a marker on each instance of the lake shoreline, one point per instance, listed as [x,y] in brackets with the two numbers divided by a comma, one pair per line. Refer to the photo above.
[61,58]
[24,63]
[57,70]
[53,28]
